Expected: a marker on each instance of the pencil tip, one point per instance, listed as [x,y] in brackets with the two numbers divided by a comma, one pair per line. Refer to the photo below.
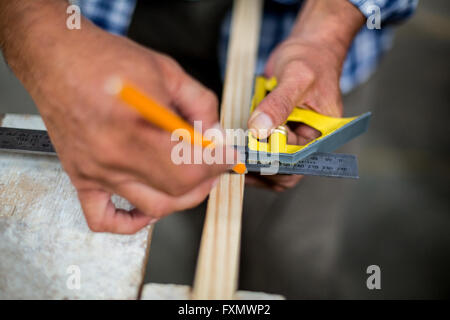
[240,168]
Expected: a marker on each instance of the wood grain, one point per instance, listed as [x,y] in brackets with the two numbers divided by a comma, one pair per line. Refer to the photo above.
[43,232]
[217,267]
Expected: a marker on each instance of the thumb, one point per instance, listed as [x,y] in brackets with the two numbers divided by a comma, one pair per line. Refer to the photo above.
[278,105]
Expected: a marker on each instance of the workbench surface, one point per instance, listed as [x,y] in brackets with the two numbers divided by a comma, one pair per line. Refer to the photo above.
[45,241]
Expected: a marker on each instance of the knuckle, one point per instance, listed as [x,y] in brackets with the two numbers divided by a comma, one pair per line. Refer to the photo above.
[178,185]
[340,108]
[94,165]
[278,106]
[176,190]
[104,154]
[96,225]
[210,99]
[290,183]
[284,105]
[170,64]
[303,71]
[160,209]
[87,169]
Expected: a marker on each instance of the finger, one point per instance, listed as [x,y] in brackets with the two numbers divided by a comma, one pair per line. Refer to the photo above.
[278,105]
[260,182]
[157,204]
[284,181]
[172,167]
[301,134]
[275,182]
[174,174]
[151,202]
[306,134]
[255,181]
[102,216]
[196,102]
[195,196]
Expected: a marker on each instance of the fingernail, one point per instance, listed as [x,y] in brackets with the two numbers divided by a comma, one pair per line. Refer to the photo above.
[261,124]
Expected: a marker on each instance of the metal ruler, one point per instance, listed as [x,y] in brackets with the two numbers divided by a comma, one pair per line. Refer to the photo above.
[25,140]
[317,164]
[336,165]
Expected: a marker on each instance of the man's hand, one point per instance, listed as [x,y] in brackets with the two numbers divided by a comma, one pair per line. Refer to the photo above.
[307,66]
[105,147]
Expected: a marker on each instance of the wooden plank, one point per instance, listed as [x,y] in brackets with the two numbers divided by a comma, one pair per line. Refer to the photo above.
[43,232]
[217,267]
[156,291]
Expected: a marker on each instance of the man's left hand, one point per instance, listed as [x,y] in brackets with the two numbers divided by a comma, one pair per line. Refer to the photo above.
[308,67]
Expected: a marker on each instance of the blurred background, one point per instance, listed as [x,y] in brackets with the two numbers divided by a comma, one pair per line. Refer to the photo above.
[396,216]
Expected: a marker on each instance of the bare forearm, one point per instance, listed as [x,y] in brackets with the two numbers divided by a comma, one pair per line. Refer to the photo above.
[23,20]
[332,22]
[32,34]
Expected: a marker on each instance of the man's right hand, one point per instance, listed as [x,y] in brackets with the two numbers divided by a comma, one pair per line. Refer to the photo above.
[104,146]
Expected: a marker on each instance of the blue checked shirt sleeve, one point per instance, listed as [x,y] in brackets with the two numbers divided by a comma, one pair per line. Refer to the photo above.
[370,45]
[363,57]
[112,15]
[392,11]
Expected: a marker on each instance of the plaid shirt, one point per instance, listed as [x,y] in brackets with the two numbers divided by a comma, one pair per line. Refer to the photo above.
[363,57]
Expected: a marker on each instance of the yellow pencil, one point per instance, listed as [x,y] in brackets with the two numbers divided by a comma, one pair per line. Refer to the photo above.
[158,115]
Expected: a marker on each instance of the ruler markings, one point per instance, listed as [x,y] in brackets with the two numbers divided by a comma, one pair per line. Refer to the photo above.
[318,164]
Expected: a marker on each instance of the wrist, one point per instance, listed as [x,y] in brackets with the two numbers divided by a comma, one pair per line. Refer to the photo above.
[330,24]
